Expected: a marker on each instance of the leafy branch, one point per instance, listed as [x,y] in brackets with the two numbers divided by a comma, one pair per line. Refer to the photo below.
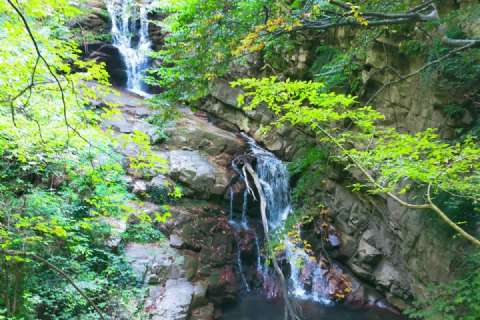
[389,157]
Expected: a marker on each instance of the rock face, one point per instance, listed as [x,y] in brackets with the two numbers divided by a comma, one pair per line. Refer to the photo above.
[185,276]
[175,302]
[395,249]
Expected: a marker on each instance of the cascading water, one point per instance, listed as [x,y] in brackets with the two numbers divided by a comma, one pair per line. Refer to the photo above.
[274,178]
[130,36]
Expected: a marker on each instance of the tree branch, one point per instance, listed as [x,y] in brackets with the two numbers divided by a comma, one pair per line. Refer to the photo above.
[289,309]
[469,44]
[50,70]
[51,266]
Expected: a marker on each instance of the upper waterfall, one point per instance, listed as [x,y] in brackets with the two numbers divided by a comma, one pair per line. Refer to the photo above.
[130,36]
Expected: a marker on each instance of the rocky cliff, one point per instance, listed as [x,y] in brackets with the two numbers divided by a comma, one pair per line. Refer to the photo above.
[396,250]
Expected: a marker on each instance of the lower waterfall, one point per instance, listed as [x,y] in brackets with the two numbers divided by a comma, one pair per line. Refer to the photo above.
[304,268]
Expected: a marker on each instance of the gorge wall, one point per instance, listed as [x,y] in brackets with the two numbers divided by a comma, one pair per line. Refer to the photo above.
[396,250]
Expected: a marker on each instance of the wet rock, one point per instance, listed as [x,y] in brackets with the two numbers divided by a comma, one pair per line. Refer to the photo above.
[246,242]
[222,285]
[204,313]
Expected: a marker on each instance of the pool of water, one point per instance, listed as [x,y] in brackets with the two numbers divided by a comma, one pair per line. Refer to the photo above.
[256,307]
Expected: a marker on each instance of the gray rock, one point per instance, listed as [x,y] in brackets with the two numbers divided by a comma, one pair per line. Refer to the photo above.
[193,170]
[192,132]
[368,254]
[176,301]
[118,123]
[139,187]
[222,90]
[200,294]
[386,275]
[148,129]
[176,242]
[117,227]
[153,259]
[204,313]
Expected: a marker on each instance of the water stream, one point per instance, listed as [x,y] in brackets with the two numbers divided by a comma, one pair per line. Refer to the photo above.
[307,279]
[130,36]
[256,307]
[274,177]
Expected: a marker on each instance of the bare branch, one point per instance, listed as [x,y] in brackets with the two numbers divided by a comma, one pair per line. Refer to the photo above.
[386,85]
[290,312]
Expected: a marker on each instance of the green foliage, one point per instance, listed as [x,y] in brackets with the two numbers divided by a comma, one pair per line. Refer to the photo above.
[206,38]
[307,103]
[391,162]
[309,167]
[143,232]
[145,159]
[166,113]
[60,177]
[336,69]
[458,300]
[459,73]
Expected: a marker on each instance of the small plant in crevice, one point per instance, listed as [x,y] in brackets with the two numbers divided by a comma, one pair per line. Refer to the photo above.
[309,167]
[143,232]
[165,115]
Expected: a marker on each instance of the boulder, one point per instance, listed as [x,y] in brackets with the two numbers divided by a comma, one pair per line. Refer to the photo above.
[159,188]
[198,133]
[139,187]
[367,253]
[176,242]
[222,285]
[176,301]
[157,260]
[200,294]
[222,90]
[150,130]
[119,123]
[193,170]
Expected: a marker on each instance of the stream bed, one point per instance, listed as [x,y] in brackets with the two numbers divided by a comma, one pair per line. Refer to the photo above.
[257,307]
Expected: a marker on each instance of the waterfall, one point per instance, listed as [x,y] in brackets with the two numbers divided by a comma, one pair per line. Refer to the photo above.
[130,36]
[307,278]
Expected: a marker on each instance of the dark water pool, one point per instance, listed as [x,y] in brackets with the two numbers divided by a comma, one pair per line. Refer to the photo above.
[258,308]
